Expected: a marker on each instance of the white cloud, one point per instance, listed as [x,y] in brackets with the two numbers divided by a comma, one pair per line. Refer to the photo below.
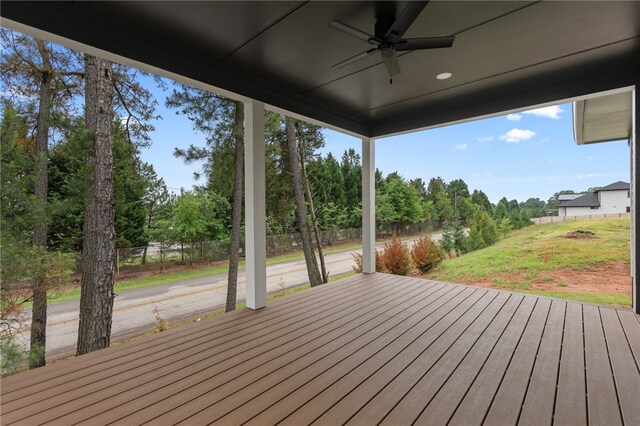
[461,147]
[517,135]
[486,138]
[514,117]
[548,112]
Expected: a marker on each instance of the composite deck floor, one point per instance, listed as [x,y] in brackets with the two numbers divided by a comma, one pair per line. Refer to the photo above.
[372,349]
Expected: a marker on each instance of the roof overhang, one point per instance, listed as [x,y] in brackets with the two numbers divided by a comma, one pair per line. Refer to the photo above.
[508,55]
[603,118]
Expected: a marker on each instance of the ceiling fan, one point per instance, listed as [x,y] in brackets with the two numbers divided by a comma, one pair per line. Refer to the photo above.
[388,40]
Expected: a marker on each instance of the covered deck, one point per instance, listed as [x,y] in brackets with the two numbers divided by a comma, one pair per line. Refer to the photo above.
[372,349]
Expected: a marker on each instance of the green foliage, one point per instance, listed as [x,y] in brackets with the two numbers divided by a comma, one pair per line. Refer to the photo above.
[436,186]
[36,354]
[187,218]
[398,202]
[504,227]
[16,176]
[200,216]
[12,356]
[480,198]
[502,209]
[482,230]
[426,254]
[452,236]
[443,207]
[68,181]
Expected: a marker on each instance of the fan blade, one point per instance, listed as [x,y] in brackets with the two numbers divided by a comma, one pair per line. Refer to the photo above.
[391,63]
[354,32]
[356,58]
[424,43]
[404,20]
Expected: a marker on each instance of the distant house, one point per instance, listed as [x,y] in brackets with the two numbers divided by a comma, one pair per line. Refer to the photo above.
[613,198]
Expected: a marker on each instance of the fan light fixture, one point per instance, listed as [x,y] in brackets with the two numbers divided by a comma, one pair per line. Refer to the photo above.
[444,76]
[387,38]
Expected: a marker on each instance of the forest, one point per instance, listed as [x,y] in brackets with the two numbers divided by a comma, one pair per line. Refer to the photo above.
[73,184]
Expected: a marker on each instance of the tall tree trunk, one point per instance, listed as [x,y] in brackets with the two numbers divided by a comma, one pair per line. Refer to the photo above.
[98,248]
[314,219]
[301,209]
[236,215]
[39,309]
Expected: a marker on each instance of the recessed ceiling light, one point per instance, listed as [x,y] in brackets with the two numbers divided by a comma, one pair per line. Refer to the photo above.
[444,76]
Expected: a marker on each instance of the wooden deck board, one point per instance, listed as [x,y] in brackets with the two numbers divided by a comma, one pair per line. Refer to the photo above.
[475,404]
[67,388]
[507,402]
[440,409]
[206,393]
[339,363]
[165,398]
[571,400]
[371,348]
[602,400]
[204,356]
[372,374]
[625,371]
[539,403]
[447,357]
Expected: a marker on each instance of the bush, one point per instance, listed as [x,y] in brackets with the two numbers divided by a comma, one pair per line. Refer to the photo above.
[394,258]
[11,356]
[426,254]
[482,230]
[453,236]
[504,227]
[357,258]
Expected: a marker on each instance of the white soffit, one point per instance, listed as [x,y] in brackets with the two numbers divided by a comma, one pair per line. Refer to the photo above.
[602,119]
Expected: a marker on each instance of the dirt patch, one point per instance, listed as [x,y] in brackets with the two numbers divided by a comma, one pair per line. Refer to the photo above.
[580,234]
[611,278]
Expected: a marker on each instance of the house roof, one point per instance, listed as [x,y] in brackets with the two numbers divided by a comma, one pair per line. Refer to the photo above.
[603,118]
[507,55]
[587,200]
[616,186]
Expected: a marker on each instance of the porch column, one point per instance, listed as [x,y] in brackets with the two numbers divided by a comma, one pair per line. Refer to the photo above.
[255,205]
[635,199]
[368,206]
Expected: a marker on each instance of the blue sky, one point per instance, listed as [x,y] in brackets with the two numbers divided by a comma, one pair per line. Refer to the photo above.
[531,154]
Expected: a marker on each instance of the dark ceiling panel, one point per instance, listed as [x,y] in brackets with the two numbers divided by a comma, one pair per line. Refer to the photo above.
[507,54]
[487,54]
[220,26]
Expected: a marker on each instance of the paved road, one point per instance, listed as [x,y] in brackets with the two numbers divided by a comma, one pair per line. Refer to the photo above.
[134,309]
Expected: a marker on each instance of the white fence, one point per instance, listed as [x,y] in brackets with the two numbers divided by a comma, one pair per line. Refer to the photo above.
[554,219]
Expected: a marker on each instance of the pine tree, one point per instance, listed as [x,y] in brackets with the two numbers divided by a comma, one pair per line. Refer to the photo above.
[99,250]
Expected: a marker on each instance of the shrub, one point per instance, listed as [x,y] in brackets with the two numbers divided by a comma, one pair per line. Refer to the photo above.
[161,323]
[11,356]
[426,254]
[453,236]
[504,227]
[395,258]
[482,230]
[357,258]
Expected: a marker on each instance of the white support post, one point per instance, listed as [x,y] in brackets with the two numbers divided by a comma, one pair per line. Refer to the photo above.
[368,206]
[635,198]
[255,205]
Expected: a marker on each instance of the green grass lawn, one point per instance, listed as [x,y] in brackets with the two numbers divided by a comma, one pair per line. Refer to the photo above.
[529,252]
